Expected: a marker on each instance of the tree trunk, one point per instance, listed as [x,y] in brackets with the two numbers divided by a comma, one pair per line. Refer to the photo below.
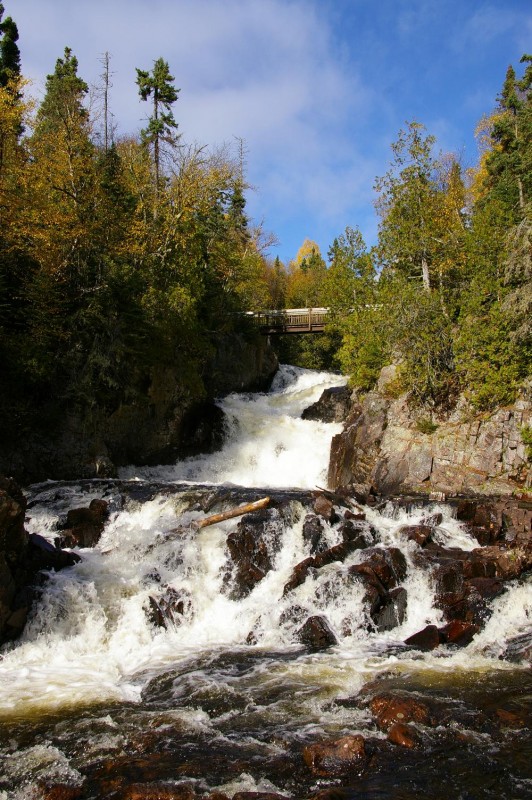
[425,273]
[233,512]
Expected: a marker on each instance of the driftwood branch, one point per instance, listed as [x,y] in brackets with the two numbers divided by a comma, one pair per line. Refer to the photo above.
[233,512]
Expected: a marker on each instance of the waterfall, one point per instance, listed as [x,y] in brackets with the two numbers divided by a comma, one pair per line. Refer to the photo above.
[229,663]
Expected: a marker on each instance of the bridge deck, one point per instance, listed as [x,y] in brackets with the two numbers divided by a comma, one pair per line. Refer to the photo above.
[290,320]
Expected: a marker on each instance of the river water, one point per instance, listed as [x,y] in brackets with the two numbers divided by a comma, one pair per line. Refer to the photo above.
[98,698]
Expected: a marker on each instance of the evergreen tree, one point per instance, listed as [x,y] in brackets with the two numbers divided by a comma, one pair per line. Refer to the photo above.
[9,52]
[158,85]
[406,205]
[62,107]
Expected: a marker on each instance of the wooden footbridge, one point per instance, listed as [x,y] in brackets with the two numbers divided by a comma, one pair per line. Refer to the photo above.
[290,320]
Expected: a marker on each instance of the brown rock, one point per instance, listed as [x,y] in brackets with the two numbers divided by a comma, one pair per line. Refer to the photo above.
[13,537]
[389,709]
[258,796]
[313,534]
[393,612]
[59,791]
[317,634]
[432,520]
[336,758]
[403,735]
[84,526]
[252,547]
[388,564]
[511,719]
[325,508]
[167,609]
[459,633]
[426,639]
[421,534]
[157,791]
[299,575]
[333,405]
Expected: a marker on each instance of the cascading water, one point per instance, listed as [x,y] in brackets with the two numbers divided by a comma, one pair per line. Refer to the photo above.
[162,660]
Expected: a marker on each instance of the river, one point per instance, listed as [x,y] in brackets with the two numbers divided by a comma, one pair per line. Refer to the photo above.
[100,700]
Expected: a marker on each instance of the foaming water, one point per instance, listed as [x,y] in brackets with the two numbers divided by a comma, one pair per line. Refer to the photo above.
[267,443]
[226,666]
[92,638]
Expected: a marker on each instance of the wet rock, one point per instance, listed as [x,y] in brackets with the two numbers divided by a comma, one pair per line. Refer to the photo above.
[84,526]
[426,639]
[481,518]
[258,796]
[357,516]
[459,633]
[157,791]
[300,572]
[336,758]
[391,709]
[167,609]
[389,564]
[13,537]
[475,607]
[333,405]
[375,594]
[393,612]
[505,563]
[299,575]
[421,534]
[252,547]
[317,634]
[432,520]
[337,553]
[519,648]
[59,791]
[22,558]
[511,719]
[325,508]
[313,534]
[203,429]
[358,532]
[403,735]
[449,583]
[41,555]
[295,614]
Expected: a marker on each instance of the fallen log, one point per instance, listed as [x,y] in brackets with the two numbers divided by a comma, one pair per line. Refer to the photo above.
[233,512]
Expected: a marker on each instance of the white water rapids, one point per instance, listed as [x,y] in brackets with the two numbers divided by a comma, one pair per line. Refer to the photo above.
[90,639]
[268,444]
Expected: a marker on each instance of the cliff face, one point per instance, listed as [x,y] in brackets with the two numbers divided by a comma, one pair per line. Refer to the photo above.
[383,448]
[171,418]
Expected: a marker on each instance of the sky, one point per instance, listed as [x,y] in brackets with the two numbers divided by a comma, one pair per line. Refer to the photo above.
[316,89]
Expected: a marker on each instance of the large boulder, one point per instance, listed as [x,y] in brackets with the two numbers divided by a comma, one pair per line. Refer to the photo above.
[333,405]
[22,557]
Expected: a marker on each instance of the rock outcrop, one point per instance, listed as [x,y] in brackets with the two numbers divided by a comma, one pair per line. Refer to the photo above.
[22,557]
[333,405]
[388,448]
[169,418]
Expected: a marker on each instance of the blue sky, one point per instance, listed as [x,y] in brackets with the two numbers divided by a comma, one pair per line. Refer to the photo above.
[317,89]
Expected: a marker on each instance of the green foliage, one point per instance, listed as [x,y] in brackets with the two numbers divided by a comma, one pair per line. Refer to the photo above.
[158,84]
[490,365]
[426,425]
[526,436]
[9,52]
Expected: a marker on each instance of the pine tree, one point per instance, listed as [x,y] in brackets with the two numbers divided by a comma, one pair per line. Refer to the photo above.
[157,84]
[406,205]
[9,52]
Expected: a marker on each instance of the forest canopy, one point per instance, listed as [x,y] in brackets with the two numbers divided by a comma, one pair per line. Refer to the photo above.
[119,253]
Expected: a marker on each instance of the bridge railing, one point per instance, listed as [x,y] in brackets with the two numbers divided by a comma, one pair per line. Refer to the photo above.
[290,320]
